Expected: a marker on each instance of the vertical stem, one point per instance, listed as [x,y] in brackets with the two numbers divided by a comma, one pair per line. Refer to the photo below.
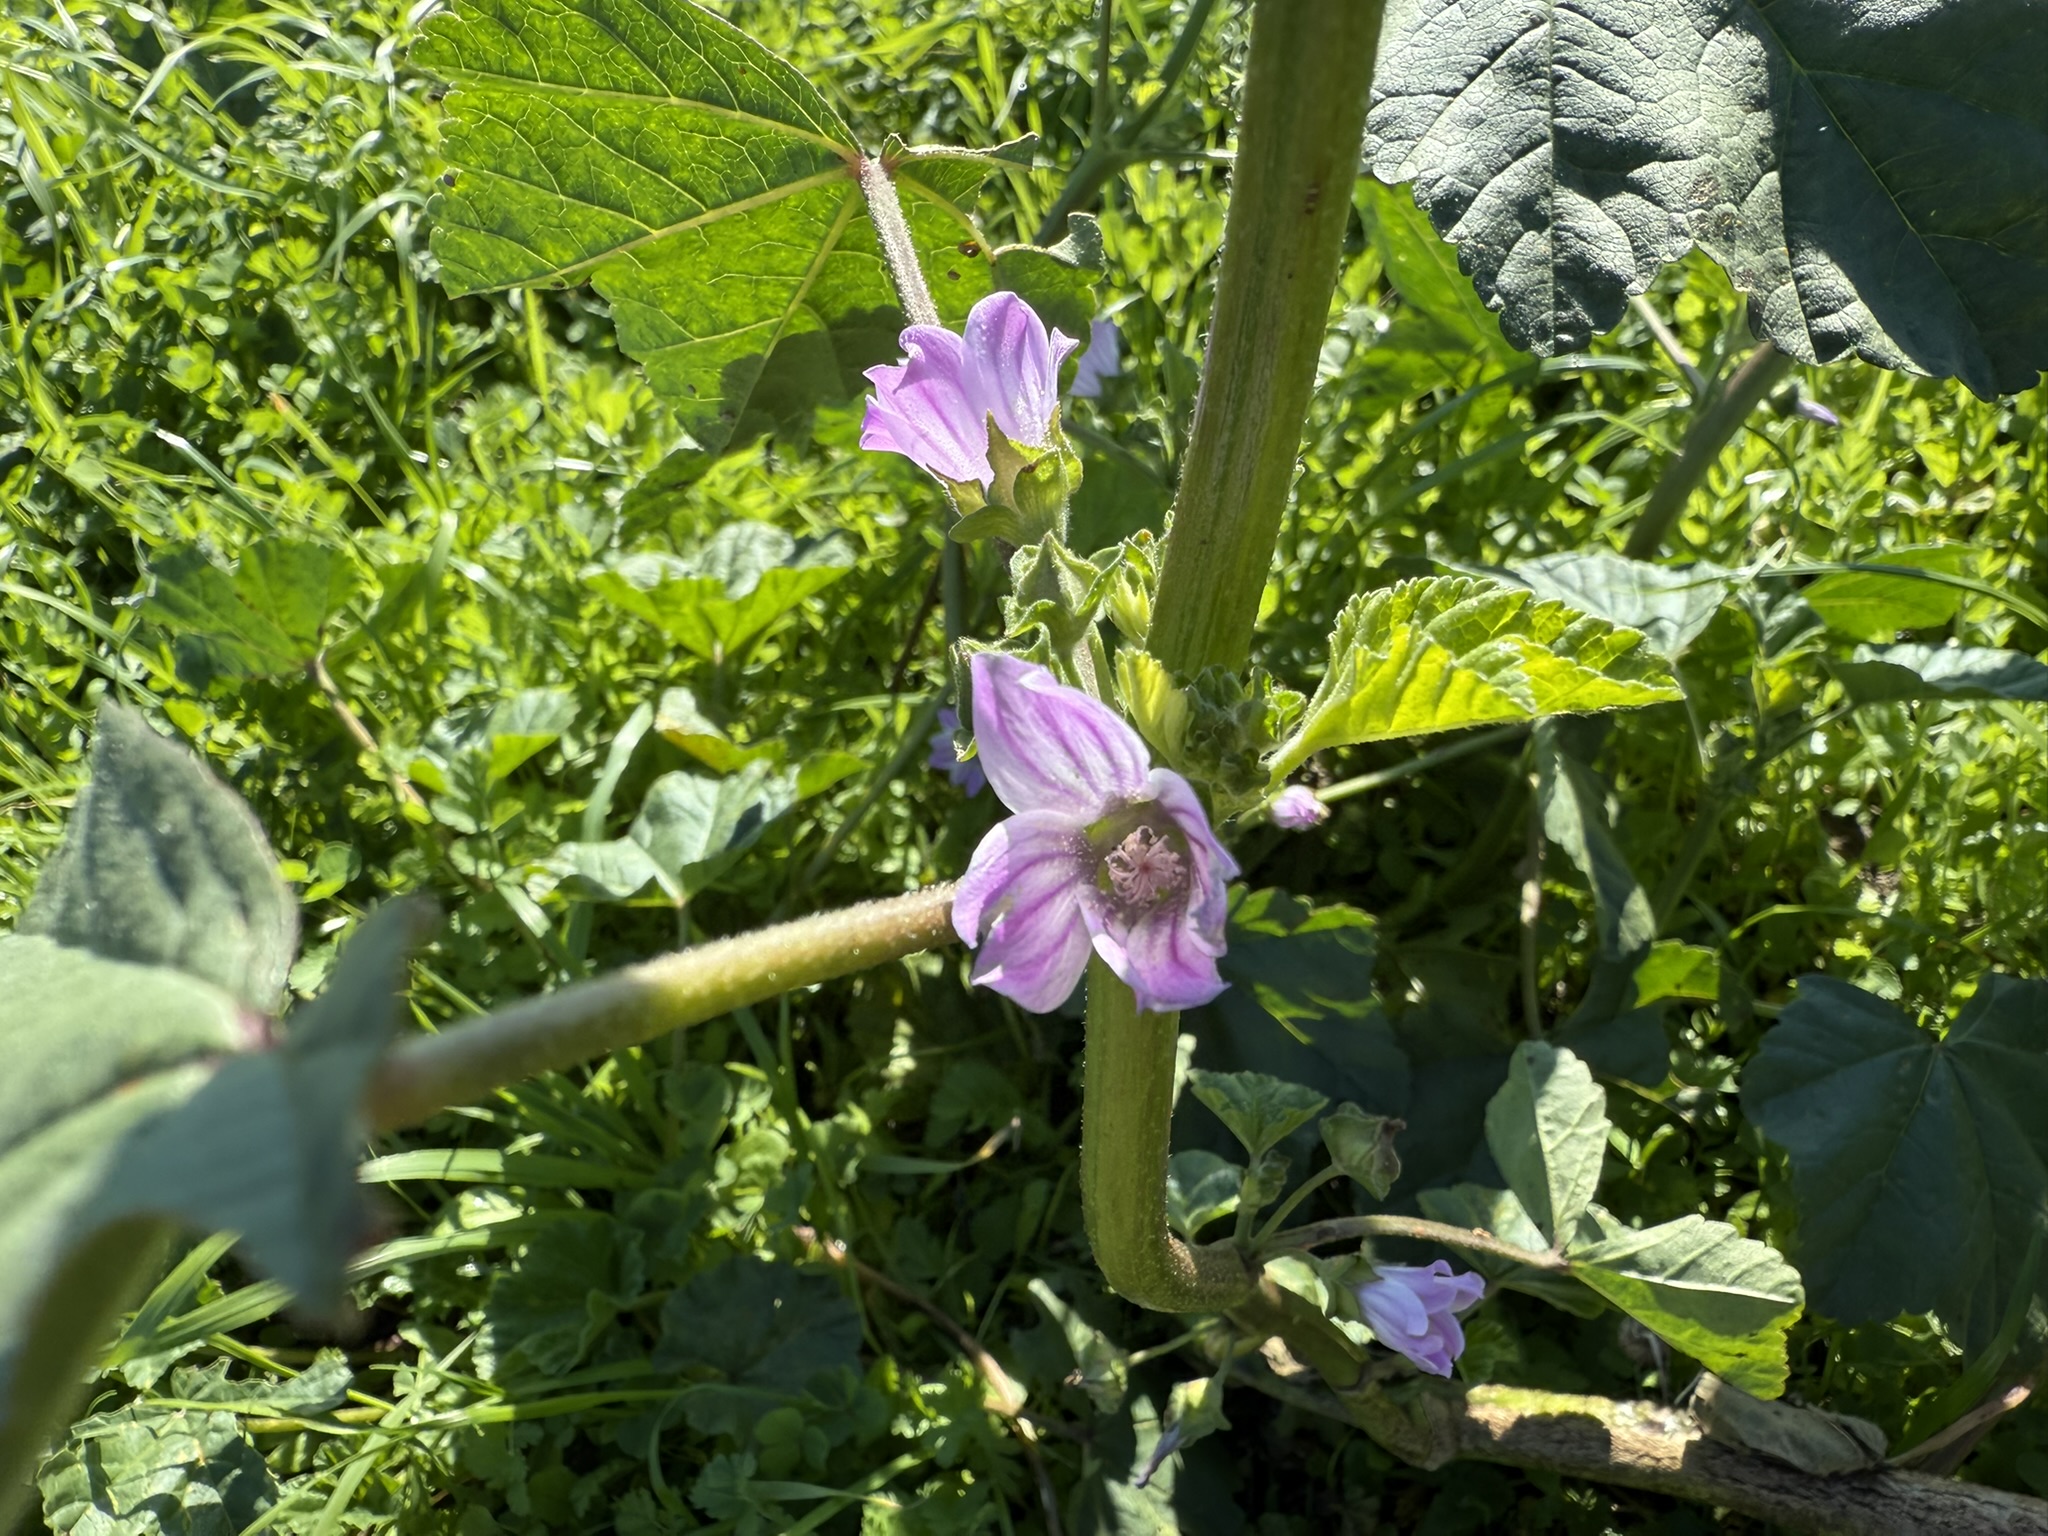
[1306,86]
[899,251]
[1719,419]
[1126,1114]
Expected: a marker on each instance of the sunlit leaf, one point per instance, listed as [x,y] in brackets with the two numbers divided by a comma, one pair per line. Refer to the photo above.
[1547,1129]
[264,618]
[716,603]
[1444,653]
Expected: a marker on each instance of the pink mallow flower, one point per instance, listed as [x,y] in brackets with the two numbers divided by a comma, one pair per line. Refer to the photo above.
[1414,1311]
[965,772]
[1105,852]
[934,407]
[1297,809]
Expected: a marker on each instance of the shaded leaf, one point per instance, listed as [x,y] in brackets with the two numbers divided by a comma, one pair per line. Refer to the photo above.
[1101,1369]
[564,1287]
[1547,1129]
[1878,674]
[1919,1162]
[1260,1111]
[1200,1188]
[1671,607]
[1811,1439]
[760,1328]
[1724,1299]
[1363,1146]
[719,601]
[1872,606]
[263,618]
[1869,179]
[162,864]
[1448,652]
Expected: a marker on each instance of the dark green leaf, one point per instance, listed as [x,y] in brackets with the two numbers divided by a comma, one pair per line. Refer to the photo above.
[1200,1188]
[145,1470]
[1363,1146]
[1877,674]
[1872,182]
[1671,607]
[1297,964]
[1547,1129]
[761,1329]
[1260,1111]
[1919,1163]
[1101,1368]
[1724,1299]
[162,864]
[708,191]
[1446,652]
[719,601]
[262,619]
[1811,1439]
[564,1287]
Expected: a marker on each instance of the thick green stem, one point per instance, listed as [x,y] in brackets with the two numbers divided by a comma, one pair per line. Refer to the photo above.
[1719,419]
[1306,85]
[1126,1116]
[629,1007]
[899,251]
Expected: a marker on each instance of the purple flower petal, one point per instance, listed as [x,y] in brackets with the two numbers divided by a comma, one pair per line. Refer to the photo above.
[926,409]
[1161,958]
[965,772]
[1297,809]
[1413,1311]
[1020,902]
[1050,748]
[1212,868]
[1013,367]
[1102,361]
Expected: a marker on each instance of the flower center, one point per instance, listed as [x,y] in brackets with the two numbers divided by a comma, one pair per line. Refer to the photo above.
[1144,869]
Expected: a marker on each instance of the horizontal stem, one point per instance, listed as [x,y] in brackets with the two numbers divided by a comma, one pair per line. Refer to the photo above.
[1648,1446]
[1475,741]
[1343,1229]
[590,1018]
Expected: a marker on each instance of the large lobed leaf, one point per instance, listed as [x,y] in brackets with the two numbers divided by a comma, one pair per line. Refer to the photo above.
[1448,652]
[1869,173]
[1919,1163]
[710,193]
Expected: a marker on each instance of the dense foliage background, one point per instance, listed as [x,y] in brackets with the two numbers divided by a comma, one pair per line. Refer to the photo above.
[224,342]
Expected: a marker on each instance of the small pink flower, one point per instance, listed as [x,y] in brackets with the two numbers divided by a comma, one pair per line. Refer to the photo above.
[934,407]
[1297,809]
[1413,1311]
[1106,853]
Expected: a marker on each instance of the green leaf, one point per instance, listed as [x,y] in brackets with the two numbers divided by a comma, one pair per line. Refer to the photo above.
[1811,1439]
[564,1287]
[1447,652]
[1919,1162]
[1296,964]
[1101,1368]
[708,192]
[1547,1130]
[718,602]
[1672,969]
[1200,1188]
[756,1326]
[1878,674]
[1724,1299]
[1872,606]
[1873,187]
[1363,1146]
[147,1470]
[683,724]
[467,753]
[1424,272]
[162,864]
[1260,1111]
[1498,1212]
[264,618]
[1671,607]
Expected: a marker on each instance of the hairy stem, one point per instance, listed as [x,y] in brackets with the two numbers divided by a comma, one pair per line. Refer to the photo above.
[1306,84]
[1126,1115]
[1720,417]
[1344,1229]
[899,251]
[629,1007]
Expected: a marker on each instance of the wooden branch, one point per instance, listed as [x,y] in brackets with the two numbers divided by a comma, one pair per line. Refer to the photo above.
[1643,1445]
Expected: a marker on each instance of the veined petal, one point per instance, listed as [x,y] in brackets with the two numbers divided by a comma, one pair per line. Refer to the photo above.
[1013,367]
[923,408]
[1210,866]
[1020,904]
[1162,959]
[1047,747]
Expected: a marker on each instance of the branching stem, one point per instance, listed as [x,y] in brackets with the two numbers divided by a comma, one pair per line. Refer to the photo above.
[1344,1229]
